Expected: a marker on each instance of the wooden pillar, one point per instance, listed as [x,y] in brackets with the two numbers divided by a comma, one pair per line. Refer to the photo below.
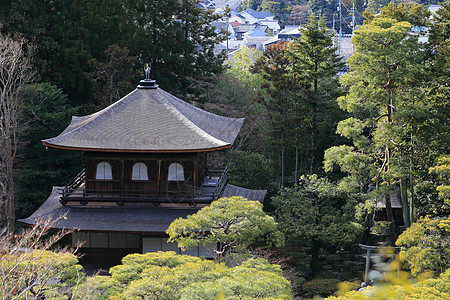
[196,175]
[122,176]
[158,175]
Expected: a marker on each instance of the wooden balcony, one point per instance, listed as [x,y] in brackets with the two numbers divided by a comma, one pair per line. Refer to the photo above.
[210,190]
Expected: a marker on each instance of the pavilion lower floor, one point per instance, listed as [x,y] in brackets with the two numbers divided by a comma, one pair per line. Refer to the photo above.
[106,249]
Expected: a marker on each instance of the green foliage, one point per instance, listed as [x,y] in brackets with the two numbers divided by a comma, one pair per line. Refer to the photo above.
[234,222]
[439,39]
[396,94]
[301,87]
[425,246]
[321,286]
[273,7]
[239,67]
[415,14]
[250,170]
[316,213]
[175,36]
[355,163]
[374,6]
[36,272]
[165,275]
[114,78]
[46,113]
[325,7]
[233,94]
[442,169]
[314,64]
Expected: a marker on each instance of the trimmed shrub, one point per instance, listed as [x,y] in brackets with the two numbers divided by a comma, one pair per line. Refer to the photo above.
[321,286]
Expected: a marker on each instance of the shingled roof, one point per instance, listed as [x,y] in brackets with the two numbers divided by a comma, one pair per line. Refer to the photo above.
[135,219]
[254,195]
[149,120]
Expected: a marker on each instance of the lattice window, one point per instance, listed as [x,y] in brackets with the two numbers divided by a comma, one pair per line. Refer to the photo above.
[176,172]
[139,172]
[104,171]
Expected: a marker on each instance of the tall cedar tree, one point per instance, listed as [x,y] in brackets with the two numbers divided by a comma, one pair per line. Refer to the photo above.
[315,65]
[302,85]
[280,87]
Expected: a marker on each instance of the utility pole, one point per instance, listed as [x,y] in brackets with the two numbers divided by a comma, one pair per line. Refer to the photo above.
[228,33]
[340,18]
[353,18]
[340,27]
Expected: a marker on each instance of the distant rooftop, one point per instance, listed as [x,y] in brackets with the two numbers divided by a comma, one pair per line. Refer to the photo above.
[258,14]
[291,29]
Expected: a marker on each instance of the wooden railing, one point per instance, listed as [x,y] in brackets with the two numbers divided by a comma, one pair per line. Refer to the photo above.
[191,195]
[84,196]
[77,180]
[221,184]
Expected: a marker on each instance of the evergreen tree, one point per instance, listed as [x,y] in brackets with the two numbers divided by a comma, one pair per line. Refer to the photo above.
[177,39]
[398,118]
[318,214]
[46,112]
[112,79]
[315,65]
[280,99]
[302,85]
[379,72]
[175,36]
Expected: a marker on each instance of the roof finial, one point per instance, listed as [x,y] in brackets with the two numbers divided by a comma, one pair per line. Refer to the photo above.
[147,83]
[147,69]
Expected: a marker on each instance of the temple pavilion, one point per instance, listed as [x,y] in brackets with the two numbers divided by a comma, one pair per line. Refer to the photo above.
[145,165]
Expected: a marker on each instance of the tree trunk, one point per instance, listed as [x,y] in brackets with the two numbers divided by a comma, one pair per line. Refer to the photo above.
[390,219]
[404,199]
[282,159]
[405,204]
[14,73]
[387,197]
[315,250]
[411,184]
[9,203]
[296,166]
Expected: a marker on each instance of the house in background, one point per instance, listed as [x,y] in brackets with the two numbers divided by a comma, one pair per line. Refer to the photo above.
[289,33]
[273,25]
[219,5]
[260,43]
[251,16]
[146,164]
[251,29]
[236,17]
[221,27]
[248,28]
